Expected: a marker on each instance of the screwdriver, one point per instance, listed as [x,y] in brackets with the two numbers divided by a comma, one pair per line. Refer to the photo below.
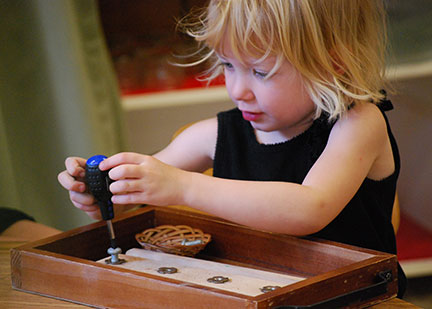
[98,184]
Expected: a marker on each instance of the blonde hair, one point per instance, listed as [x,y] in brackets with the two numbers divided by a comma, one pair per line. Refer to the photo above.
[338,46]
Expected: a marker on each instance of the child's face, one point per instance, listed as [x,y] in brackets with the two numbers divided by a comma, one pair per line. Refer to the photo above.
[278,104]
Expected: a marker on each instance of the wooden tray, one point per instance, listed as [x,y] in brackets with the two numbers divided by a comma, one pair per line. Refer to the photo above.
[65,267]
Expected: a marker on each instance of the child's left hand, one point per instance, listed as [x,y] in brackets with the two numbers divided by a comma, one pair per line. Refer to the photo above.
[143,179]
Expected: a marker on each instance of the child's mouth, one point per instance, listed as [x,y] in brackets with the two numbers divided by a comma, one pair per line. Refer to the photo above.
[248,116]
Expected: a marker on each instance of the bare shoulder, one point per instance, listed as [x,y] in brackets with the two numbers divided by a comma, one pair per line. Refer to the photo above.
[363,130]
[204,132]
[366,112]
[365,120]
[360,133]
[209,125]
[193,148]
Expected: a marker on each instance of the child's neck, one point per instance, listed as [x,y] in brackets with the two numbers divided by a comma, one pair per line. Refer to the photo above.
[277,137]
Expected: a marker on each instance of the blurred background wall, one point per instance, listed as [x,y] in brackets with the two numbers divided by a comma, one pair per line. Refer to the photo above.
[410,69]
[58,97]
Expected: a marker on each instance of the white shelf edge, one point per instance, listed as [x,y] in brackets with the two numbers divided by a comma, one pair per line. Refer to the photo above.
[410,70]
[417,267]
[175,98]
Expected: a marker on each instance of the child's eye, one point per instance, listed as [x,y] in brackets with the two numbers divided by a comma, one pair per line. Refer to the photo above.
[227,65]
[260,74]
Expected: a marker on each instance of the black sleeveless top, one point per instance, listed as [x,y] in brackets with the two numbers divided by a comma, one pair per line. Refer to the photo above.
[366,219]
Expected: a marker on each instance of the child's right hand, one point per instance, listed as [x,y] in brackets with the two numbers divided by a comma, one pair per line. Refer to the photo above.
[72,179]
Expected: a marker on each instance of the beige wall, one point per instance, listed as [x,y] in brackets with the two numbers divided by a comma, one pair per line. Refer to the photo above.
[412,125]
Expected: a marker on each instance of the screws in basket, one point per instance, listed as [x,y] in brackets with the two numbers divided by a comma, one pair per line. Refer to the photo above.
[186,242]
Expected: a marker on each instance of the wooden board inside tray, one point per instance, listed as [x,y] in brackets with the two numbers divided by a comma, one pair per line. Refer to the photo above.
[233,278]
[65,266]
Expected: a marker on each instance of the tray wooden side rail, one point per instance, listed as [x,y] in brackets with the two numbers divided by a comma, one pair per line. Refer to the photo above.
[64,267]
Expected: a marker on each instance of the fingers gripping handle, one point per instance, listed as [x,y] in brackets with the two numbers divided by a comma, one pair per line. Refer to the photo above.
[98,183]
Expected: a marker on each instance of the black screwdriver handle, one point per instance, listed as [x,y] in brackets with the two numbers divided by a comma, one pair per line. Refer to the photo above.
[98,184]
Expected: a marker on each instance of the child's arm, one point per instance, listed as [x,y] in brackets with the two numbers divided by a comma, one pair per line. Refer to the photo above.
[358,147]
[193,149]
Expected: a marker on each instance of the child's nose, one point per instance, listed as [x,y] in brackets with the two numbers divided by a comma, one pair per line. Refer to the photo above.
[241,89]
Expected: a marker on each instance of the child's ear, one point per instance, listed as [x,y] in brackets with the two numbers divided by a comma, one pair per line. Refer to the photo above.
[337,63]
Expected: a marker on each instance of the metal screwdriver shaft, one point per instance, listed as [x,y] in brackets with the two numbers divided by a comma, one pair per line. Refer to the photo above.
[98,183]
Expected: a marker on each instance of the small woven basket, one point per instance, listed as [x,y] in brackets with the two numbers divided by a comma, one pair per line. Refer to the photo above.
[179,239]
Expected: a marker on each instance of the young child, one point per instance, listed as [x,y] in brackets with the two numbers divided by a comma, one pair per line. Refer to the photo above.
[307,151]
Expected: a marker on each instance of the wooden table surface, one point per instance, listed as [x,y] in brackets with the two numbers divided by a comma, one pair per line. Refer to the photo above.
[10,298]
